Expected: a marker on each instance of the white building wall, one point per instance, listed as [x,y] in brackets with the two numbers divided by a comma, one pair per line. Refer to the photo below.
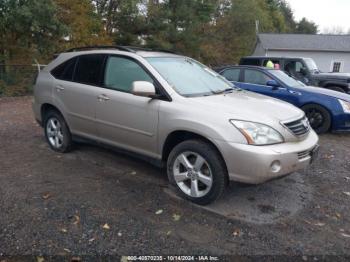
[324,60]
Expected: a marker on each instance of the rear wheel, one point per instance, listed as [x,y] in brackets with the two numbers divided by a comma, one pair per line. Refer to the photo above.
[197,171]
[319,117]
[57,132]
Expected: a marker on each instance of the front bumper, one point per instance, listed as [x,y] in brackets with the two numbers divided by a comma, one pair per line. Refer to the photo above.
[257,164]
[341,123]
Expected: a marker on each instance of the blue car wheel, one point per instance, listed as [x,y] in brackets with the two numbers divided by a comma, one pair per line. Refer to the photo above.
[319,117]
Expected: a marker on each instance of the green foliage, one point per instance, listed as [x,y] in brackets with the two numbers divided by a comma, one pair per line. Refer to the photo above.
[212,31]
[16,80]
[306,27]
[28,28]
[84,25]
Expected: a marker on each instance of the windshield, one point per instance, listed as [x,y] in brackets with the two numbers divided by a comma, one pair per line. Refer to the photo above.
[311,64]
[189,77]
[283,77]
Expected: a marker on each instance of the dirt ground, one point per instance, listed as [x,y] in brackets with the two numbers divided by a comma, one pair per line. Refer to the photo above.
[94,201]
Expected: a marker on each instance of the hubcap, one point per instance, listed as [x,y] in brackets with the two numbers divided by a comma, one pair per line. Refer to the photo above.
[54,132]
[192,174]
[315,118]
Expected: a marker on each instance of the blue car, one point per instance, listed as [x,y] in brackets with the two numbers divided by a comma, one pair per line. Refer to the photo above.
[326,110]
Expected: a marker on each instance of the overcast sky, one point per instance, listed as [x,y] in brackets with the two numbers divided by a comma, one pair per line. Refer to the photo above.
[328,14]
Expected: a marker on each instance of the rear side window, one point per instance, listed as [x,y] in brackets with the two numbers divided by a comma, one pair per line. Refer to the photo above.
[65,70]
[232,74]
[121,72]
[255,77]
[253,62]
[89,69]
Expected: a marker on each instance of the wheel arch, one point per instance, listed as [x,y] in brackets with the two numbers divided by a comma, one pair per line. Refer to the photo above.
[325,107]
[178,136]
[335,84]
[46,107]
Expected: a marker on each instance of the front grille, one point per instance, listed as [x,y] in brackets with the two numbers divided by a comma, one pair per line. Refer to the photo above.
[299,127]
[304,154]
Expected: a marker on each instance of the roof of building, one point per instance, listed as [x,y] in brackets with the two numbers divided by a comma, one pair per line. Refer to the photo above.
[303,42]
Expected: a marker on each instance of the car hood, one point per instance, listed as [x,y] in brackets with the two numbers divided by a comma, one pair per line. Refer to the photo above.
[324,91]
[249,106]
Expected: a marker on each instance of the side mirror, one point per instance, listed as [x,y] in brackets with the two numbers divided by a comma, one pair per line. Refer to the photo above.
[303,71]
[273,84]
[143,88]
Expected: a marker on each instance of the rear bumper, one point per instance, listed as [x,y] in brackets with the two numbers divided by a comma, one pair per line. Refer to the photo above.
[36,111]
[257,164]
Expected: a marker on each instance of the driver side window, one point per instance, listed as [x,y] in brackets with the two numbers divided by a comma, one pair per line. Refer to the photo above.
[122,72]
[255,77]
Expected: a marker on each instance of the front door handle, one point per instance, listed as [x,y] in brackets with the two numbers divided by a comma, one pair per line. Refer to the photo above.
[103,97]
[59,88]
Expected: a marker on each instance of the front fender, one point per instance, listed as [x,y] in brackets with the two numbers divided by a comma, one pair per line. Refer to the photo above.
[223,131]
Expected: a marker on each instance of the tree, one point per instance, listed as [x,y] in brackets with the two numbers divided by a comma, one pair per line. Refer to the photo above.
[28,28]
[306,27]
[123,20]
[84,26]
[288,15]
[335,30]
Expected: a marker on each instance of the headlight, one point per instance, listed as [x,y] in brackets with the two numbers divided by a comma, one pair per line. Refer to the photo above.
[258,134]
[345,105]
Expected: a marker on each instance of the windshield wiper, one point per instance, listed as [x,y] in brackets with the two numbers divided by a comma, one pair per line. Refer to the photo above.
[227,90]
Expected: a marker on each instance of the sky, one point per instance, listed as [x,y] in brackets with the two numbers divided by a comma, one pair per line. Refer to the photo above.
[328,14]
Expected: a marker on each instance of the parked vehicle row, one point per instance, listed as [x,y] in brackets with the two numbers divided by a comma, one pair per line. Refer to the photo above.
[327,110]
[175,111]
[304,70]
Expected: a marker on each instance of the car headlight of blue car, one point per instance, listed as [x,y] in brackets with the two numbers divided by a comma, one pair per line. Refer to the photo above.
[345,105]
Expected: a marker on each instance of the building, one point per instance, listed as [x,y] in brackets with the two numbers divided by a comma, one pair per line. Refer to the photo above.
[330,52]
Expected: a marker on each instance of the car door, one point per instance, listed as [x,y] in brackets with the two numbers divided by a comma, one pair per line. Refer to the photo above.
[126,120]
[76,92]
[298,70]
[256,81]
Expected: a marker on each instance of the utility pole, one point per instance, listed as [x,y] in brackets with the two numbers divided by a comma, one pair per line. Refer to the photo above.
[257,25]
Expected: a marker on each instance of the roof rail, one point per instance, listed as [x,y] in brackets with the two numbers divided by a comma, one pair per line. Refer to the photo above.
[141,48]
[85,48]
[132,49]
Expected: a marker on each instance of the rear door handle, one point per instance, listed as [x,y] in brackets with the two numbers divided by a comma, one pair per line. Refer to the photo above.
[103,97]
[59,88]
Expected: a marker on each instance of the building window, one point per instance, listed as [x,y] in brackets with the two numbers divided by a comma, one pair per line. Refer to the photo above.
[337,67]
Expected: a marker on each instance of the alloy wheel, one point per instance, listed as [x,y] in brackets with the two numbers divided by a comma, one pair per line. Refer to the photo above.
[315,117]
[192,174]
[54,132]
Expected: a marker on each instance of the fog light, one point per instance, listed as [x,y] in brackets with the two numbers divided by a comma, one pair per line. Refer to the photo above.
[275,166]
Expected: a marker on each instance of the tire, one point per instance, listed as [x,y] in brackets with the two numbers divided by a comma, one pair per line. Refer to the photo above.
[57,132]
[336,88]
[209,177]
[319,117]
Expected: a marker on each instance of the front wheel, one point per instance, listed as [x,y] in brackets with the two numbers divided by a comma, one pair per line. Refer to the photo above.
[197,171]
[319,117]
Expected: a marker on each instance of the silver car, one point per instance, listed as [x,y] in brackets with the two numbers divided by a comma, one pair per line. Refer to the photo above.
[175,111]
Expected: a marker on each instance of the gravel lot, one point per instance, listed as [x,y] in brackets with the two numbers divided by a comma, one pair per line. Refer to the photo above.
[97,202]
